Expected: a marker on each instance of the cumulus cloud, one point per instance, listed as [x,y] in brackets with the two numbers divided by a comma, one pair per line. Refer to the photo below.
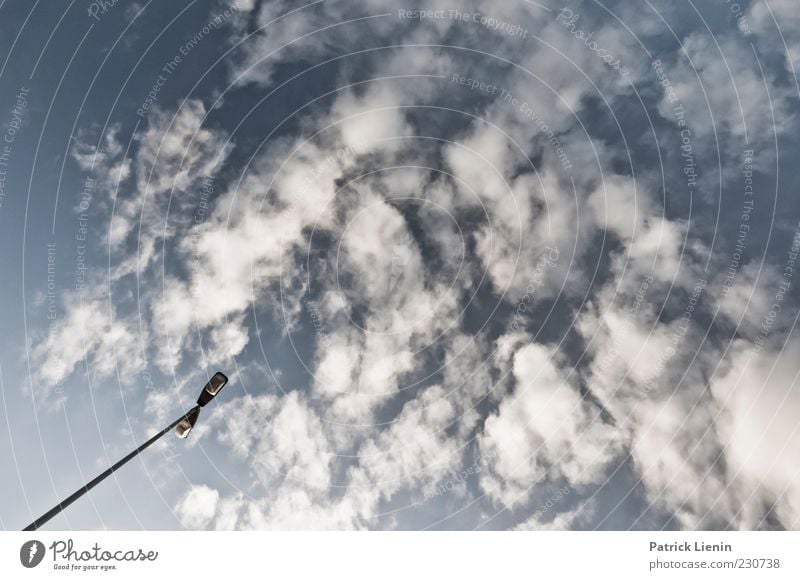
[759,402]
[544,429]
[198,506]
[92,331]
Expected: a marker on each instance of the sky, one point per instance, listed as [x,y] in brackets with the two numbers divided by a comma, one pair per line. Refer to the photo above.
[468,265]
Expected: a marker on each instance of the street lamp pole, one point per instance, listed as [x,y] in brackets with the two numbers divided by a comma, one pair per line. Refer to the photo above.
[36,524]
[184,424]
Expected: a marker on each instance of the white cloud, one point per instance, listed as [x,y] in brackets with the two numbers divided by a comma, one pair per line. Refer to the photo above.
[729,103]
[759,405]
[90,330]
[544,429]
[777,23]
[563,520]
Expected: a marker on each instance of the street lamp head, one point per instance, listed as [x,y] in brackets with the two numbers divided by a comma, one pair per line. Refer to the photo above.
[186,424]
[211,389]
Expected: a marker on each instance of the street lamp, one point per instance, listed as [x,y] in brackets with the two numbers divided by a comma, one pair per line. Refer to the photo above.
[183,425]
[186,424]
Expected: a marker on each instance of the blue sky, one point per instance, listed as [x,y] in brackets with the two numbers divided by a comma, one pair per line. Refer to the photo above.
[468,265]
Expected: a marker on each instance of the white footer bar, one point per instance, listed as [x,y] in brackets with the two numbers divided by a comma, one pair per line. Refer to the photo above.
[355,555]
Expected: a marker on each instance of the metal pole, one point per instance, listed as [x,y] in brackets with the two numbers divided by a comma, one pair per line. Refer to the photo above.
[36,524]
